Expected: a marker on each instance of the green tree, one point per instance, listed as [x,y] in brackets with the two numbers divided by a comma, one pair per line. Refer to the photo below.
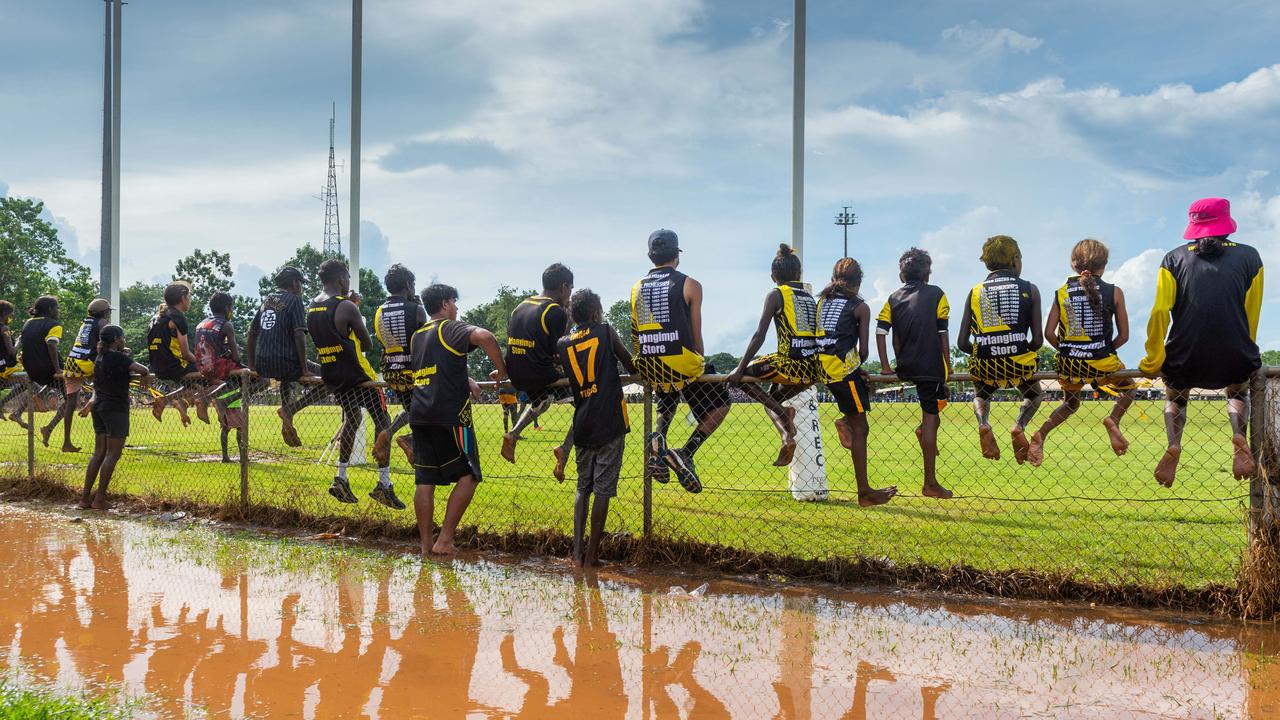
[209,273]
[138,303]
[619,316]
[493,316]
[1271,357]
[1046,358]
[33,262]
[723,362]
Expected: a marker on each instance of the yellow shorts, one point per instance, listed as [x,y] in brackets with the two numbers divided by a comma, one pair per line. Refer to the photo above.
[834,369]
[669,373]
[1003,372]
[1076,372]
[73,368]
[784,370]
[7,373]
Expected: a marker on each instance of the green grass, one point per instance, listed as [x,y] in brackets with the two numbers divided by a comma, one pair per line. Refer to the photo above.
[18,702]
[1085,511]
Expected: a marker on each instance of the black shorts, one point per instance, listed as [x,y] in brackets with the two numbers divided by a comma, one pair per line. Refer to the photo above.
[370,399]
[543,393]
[853,397]
[1028,389]
[703,398]
[112,423]
[174,374]
[934,395]
[443,455]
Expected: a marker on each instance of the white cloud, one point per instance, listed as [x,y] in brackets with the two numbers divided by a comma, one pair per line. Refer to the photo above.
[988,39]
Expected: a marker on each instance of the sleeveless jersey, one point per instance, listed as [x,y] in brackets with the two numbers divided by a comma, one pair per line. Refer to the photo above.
[441,393]
[394,324]
[662,329]
[599,408]
[163,350]
[838,341]
[342,362]
[1001,309]
[8,353]
[210,343]
[535,326]
[796,322]
[86,345]
[1085,333]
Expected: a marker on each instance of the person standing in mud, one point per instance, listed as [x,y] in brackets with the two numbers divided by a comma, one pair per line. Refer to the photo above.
[1204,327]
[276,349]
[445,451]
[112,374]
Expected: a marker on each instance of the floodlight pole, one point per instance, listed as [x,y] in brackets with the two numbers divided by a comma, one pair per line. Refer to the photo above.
[112,290]
[104,245]
[845,219]
[797,130]
[353,234]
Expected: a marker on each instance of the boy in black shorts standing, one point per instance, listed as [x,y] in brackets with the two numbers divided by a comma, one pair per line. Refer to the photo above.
[917,315]
[444,440]
[111,375]
[600,422]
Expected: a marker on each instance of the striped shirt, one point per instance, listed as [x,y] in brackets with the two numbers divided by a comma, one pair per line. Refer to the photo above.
[275,353]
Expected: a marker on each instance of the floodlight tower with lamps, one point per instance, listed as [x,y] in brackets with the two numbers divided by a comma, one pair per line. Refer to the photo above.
[845,219]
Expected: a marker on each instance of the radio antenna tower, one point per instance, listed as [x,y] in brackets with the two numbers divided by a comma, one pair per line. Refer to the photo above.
[332,231]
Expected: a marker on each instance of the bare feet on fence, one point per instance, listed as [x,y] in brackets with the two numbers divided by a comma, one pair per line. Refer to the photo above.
[69,448]
[871,498]
[987,441]
[561,458]
[157,408]
[1018,437]
[845,433]
[935,490]
[202,409]
[1242,463]
[788,428]
[509,447]
[1167,468]
[1035,451]
[406,447]
[287,431]
[1119,444]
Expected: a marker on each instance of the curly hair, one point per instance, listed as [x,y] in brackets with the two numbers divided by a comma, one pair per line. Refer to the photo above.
[915,265]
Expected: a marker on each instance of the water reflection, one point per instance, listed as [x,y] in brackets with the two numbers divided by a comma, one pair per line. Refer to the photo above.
[207,625]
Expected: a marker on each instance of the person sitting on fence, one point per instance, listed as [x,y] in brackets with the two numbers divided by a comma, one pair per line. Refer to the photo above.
[338,331]
[666,332]
[445,450]
[9,364]
[39,341]
[917,315]
[112,374]
[77,371]
[395,322]
[794,367]
[1212,289]
[842,348]
[507,399]
[536,325]
[217,357]
[1087,323]
[276,349]
[600,419]
[1000,330]
[170,355]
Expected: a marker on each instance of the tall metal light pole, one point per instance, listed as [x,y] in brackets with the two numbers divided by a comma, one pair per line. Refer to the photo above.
[109,255]
[845,219]
[353,234]
[104,246]
[797,130]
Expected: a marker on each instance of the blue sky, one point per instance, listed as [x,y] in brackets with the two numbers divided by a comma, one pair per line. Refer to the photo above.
[502,135]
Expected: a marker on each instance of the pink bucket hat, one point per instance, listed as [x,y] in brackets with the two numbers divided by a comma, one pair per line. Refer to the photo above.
[1209,217]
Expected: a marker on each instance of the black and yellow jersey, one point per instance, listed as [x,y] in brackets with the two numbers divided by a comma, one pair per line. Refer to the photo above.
[394,323]
[84,352]
[1000,308]
[662,330]
[343,365]
[535,326]
[164,353]
[838,341]
[599,407]
[1085,332]
[8,352]
[1214,304]
[441,391]
[35,337]
[796,322]
[916,313]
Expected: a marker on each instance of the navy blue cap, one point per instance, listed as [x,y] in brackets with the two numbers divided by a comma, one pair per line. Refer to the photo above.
[662,239]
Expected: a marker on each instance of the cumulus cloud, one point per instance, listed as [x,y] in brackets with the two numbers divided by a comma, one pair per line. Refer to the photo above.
[981,38]
[458,154]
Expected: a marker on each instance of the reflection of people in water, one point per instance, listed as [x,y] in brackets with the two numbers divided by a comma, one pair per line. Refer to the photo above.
[348,676]
[867,673]
[279,689]
[680,672]
[595,670]
[174,656]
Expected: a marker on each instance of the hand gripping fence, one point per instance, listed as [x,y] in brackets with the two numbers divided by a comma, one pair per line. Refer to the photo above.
[1085,514]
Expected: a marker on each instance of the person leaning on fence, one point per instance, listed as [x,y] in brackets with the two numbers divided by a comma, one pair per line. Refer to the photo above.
[1000,330]
[917,314]
[77,371]
[39,341]
[394,323]
[170,356]
[843,345]
[9,364]
[1087,323]
[338,331]
[536,325]
[445,451]
[112,374]
[666,332]
[793,368]
[217,357]
[276,349]
[1212,288]
[591,355]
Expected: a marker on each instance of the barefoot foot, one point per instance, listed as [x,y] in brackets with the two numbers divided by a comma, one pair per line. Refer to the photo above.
[845,433]
[987,441]
[406,447]
[1242,463]
[934,490]
[1018,437]
[100,504]
[444,549]
[288,432]
[787,452]
[157,408]
[509,448]
[45,432]
[69,448]
[1167,468]
[1119,444]
[871,498]
[561,458]
[382,445]
[1035,452]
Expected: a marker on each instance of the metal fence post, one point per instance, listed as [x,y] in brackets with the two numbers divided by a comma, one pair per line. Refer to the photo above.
[648,478]
[245,384]
[31,432]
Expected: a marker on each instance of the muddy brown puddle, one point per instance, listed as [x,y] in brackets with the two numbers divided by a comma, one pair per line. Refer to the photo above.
[197,622]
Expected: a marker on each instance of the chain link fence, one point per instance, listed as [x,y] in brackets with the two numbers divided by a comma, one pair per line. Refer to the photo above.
[1085,515]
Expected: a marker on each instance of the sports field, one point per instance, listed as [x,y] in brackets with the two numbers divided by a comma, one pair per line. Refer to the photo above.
[1085,511]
